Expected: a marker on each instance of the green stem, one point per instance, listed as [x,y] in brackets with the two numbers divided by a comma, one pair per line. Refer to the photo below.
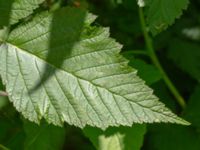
[156,62]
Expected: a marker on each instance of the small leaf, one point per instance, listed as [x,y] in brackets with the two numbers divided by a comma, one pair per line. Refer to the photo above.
[162,13]
[61,68]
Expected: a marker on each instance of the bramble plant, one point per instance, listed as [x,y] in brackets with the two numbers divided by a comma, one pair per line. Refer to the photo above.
[65,80]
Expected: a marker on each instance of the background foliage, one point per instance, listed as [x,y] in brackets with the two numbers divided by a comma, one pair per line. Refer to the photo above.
[177,46]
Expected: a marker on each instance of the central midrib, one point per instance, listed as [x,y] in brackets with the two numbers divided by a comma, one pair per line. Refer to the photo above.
[71,74]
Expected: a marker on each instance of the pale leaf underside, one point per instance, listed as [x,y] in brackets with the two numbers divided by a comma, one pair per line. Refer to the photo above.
[92,86]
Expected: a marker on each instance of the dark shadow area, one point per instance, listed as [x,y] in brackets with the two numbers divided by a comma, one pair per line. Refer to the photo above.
[65,31]
[171,137]
[5,11]
[76,140]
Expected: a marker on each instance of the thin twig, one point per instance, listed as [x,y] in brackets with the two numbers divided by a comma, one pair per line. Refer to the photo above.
[156,62]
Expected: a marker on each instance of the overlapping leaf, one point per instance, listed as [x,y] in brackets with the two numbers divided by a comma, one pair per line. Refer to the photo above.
[162,13]
[61,68]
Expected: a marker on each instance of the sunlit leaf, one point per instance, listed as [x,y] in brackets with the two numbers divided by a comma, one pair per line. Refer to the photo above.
[61,68]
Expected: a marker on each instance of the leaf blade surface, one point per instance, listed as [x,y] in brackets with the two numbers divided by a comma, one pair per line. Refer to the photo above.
[89,84]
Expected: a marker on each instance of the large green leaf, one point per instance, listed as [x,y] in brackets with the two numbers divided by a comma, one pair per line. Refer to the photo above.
[61,68]
[11,11]
[162,13]
[122,138]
